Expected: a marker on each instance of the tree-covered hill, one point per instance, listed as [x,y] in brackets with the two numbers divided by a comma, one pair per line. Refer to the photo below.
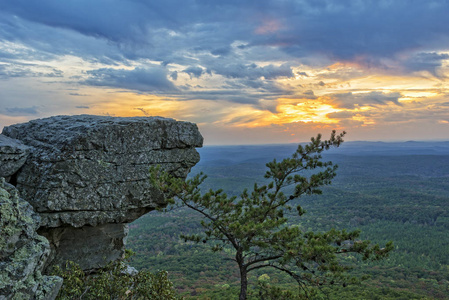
[391,191]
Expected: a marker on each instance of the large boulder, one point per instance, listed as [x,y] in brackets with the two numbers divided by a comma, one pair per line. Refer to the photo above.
[87,175]
[22,251]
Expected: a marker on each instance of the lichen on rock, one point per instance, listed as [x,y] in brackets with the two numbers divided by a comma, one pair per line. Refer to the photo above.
[22,251]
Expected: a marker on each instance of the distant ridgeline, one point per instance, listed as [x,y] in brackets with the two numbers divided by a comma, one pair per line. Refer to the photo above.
[263,153]
[70,184]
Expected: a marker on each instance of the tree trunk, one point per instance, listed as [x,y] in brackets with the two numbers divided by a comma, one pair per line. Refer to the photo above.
[243,283]
[243,274]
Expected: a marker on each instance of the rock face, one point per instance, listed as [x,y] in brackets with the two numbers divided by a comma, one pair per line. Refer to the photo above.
[13,155]
[22,251]
[87,176]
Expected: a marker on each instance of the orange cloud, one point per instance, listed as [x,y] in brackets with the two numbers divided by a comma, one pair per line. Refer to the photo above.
[287,111]
[305,111]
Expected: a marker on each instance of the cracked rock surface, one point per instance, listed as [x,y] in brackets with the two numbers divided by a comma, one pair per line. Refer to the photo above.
[92,171]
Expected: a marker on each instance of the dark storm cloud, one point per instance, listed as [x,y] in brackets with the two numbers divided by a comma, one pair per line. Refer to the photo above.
[139,79]
[108,19]
[39,42]
[349,29]
[340,29]
[133,27]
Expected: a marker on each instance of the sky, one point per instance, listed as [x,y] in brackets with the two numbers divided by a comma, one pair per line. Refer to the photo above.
[247,72]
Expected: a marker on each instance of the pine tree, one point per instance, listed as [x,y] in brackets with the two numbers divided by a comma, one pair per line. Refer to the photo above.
[255,224]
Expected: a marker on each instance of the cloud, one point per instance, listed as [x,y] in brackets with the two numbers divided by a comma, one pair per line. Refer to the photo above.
[350,29]
[253,71]
[78,94]
[251,51]
[174,75]
[7,72]
[309,94]
[106,19]
[194,71]
[351,100]
[235,96]
[82,106]
[144,111]
[151,80]
[21,39]
[426,61]
[342,30]
[221,51]
[20,111]
[214,35]
[21,70]
[341,115]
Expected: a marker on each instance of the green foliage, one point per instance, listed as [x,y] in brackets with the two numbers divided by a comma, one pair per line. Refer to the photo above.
[113,282]
[387,196]
[268,292]
[255,225]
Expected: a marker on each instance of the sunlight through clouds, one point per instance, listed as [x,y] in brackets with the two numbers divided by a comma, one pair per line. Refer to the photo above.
[276,70]
[307,111]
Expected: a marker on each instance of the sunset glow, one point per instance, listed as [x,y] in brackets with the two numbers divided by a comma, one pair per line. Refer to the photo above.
[269,73]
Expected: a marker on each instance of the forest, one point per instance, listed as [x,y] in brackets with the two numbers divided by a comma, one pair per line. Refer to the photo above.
[390,191]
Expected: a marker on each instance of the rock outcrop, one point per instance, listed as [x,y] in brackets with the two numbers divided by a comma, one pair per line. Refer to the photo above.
[22,251]
[87,176]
